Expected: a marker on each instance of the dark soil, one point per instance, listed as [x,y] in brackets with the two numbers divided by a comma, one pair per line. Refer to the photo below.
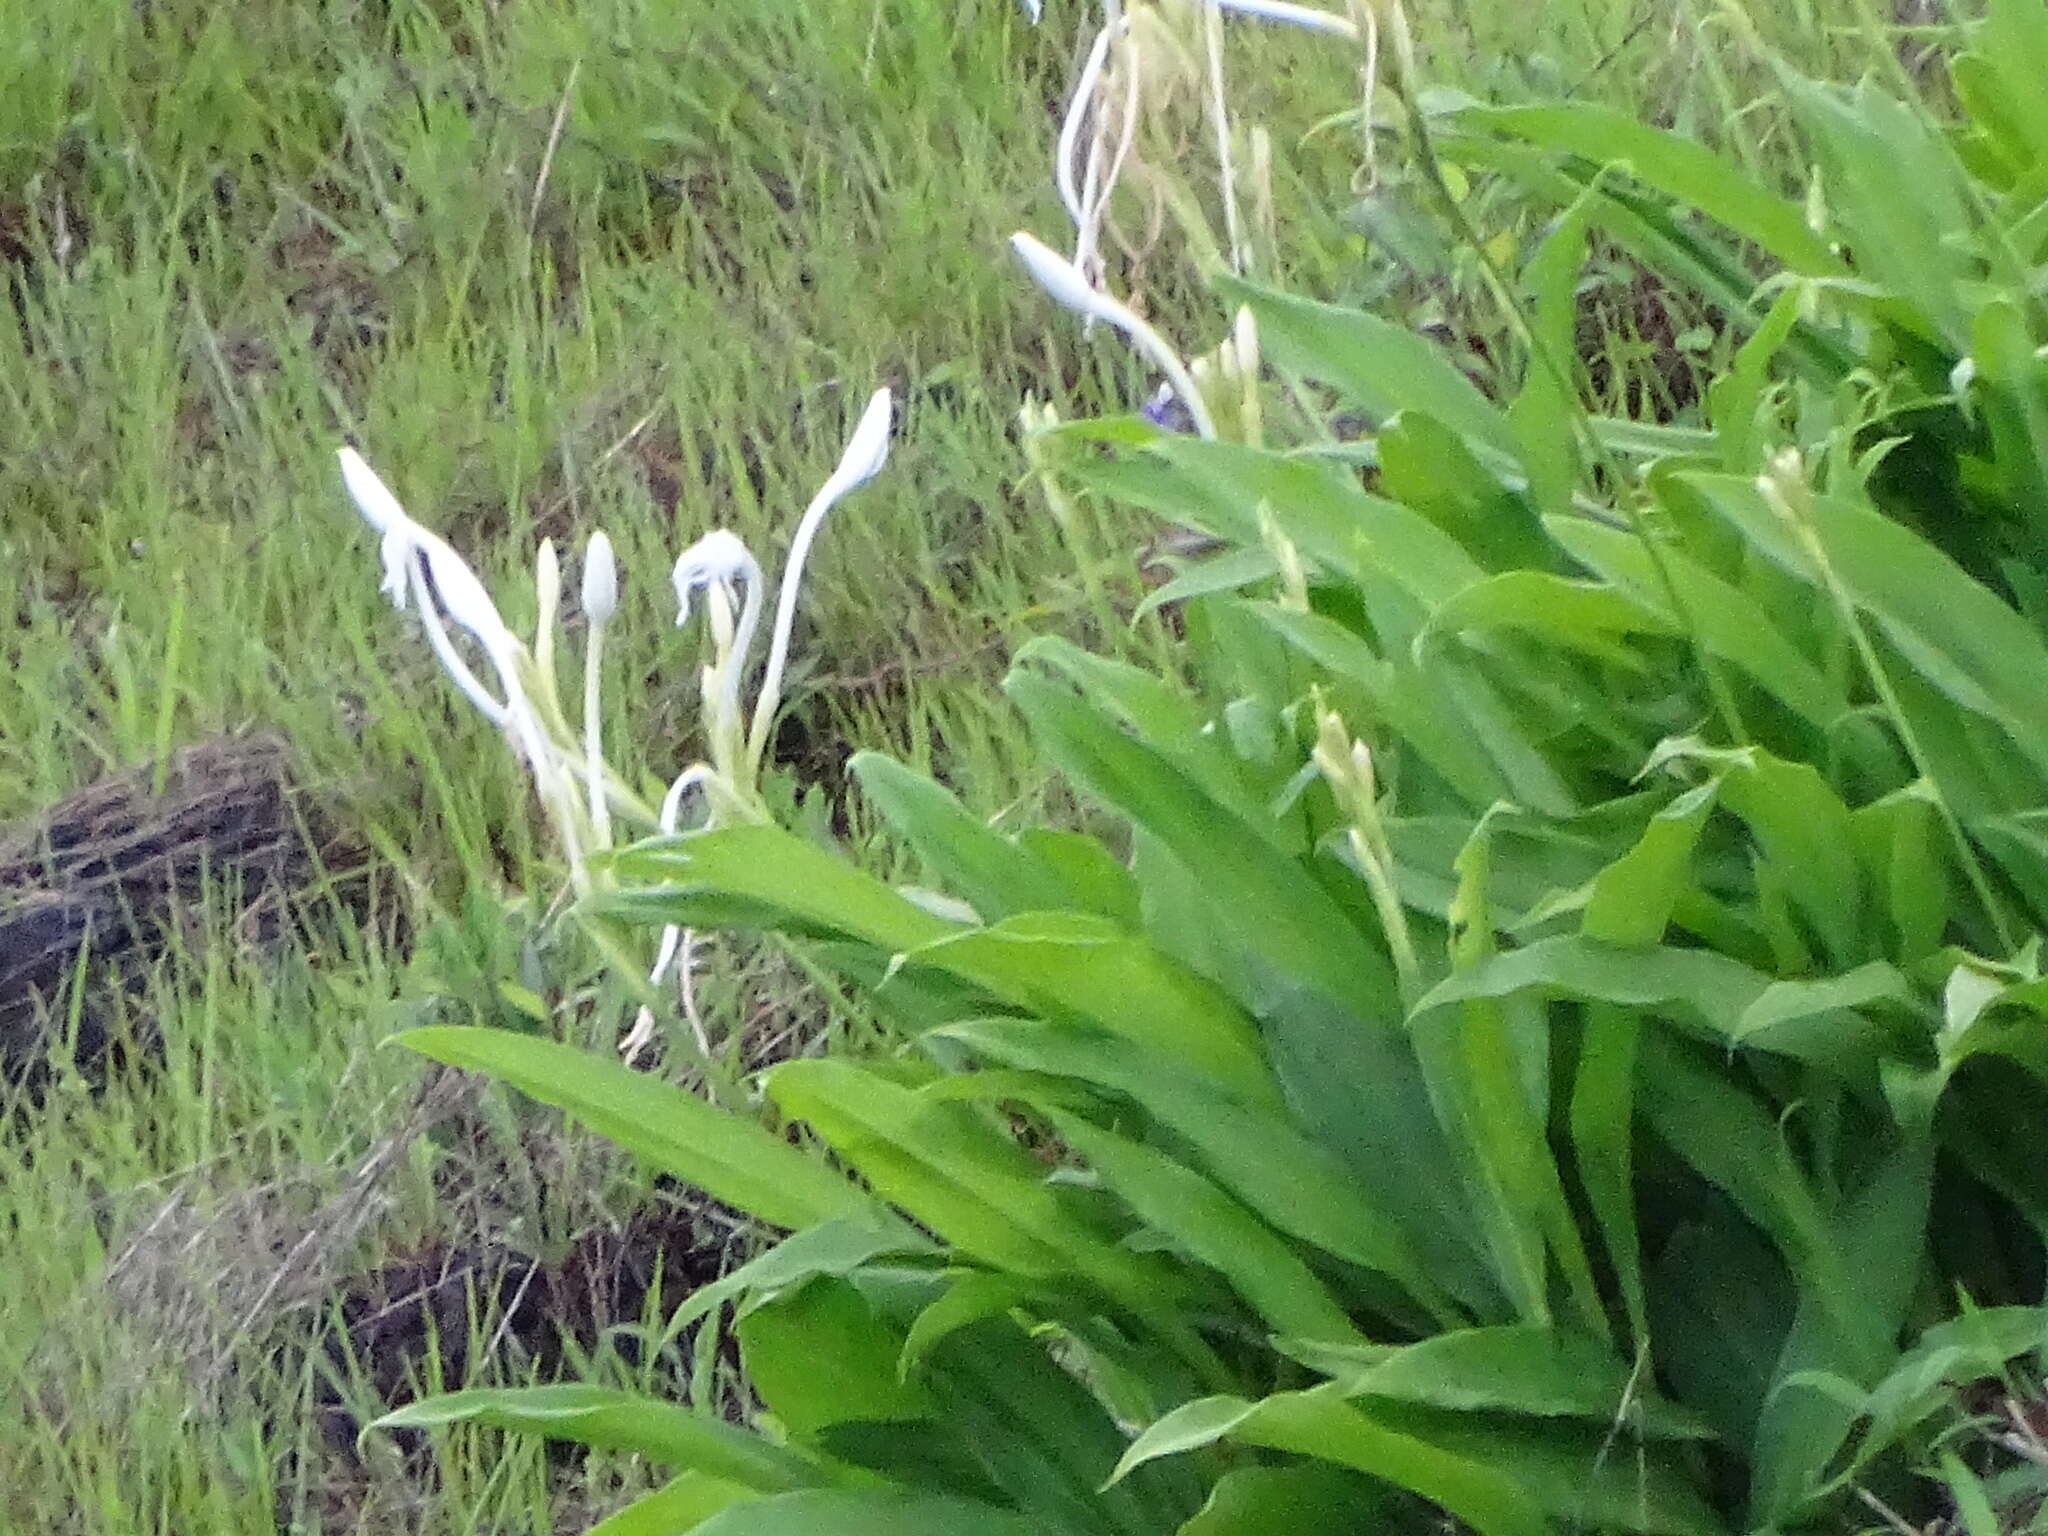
[103,887]
[414,1324]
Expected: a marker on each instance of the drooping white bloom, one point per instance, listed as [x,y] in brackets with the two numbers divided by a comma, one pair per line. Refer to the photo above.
[720,558]
[414,557]
[1062,280]
[456,585]
[718,563]
[381,510]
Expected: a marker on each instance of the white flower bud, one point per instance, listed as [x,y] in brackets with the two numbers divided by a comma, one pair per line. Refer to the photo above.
[868,449]
[600,580]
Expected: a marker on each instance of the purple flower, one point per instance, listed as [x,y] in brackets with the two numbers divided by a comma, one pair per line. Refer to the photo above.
[1166,411]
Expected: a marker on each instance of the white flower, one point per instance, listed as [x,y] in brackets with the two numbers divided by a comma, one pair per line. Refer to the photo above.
[1293,15]
[372,496]
[866,452]
[381,510]
[1064,282]
[600,580]
[720,558]
[412,555]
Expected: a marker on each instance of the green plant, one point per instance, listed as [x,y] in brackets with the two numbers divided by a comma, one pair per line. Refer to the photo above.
[1553,1034]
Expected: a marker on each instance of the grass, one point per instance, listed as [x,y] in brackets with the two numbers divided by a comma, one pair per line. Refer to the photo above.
[557,266]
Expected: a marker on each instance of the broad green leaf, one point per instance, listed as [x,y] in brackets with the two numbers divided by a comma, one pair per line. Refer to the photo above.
[1479,1064]
[1574,615]
[1426,466]
[731,1158]
[948,1167]
[1161,716]
[1719,617]
[2011,397]
[1258,1157]
[928,1455]
[680,1505]
[1679,167]
[1805,862]
[1971,1498]
[1855,1305]
[2014,45]
[1736,401]
[1095,881]
[1375,363]
[985,869]
[972,1296]
[1546,415]
[1364,1099]
[1906,862]
[1986,1017]
[1958,635]
[1339,529]
[1078,968]
[1816,1023]
[1043,1437]
[1214,1228]
[1323,1426]
[1230,571]
[1735,1142]
[819,1356]
[1396,696]
[1815,1019]
[833,1248]
[1307,1498]
[1632,900]
[870,1512]
[1272,908]
[1602,1121]
[1495,1475]
[1721,1304]
[1517,1368]
[761,876]
[1697,983]
[1896,193]
[663,1432]
[1976,1346]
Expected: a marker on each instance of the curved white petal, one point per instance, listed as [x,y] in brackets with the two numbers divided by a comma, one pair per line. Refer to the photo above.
[721,555]
[372,496]
[1062,280]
